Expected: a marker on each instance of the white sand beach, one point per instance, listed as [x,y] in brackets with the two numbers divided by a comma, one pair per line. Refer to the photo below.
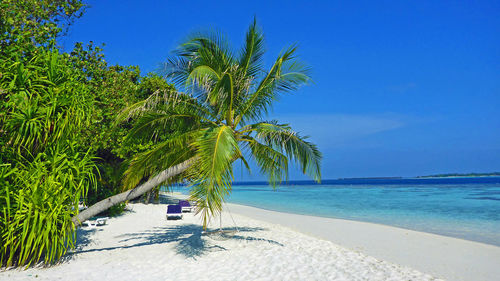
[447,257]
[143,245]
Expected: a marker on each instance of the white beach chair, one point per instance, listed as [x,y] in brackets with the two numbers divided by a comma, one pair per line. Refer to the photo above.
[96,222]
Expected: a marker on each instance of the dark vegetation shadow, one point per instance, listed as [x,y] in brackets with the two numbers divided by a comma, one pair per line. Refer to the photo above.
[166,199]
[83,236]
[192,241]
[162,199]
[125,211]
[83,239]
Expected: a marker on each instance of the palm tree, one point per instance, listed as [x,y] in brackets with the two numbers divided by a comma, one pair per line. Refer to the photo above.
[218,120]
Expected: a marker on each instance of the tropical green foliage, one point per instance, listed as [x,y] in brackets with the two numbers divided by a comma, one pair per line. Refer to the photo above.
[58,141]
[38,201]
[45,172]
[56,115]
[114,88]
[27,24]
[219,119]
[43,108]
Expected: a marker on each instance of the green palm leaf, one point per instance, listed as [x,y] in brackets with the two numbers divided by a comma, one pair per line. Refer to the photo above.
[216,150]
[211,120]
[165,154]
[286,75]
[253,51]
[284,139]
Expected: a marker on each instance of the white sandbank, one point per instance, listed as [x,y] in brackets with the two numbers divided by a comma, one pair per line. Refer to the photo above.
[442,256]
[143,245]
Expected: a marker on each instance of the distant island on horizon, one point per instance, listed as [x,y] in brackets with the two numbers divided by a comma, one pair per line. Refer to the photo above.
[436,176]
[459,175]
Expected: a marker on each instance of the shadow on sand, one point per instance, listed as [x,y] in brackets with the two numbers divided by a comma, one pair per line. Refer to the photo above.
[192,241]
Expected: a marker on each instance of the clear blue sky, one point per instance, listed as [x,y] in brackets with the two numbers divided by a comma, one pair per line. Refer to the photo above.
[401,88]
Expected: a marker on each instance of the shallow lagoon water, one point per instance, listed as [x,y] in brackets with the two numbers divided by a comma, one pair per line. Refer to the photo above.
[467,208]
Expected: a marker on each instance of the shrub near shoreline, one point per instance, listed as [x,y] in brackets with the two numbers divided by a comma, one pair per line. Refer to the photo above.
[45,171]
[58,143]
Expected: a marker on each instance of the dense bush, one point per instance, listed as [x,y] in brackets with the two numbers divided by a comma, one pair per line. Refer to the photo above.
[59,145]
[45,171]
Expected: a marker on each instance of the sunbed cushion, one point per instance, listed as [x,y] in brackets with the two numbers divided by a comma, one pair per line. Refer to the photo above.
[184,203]
[174,209]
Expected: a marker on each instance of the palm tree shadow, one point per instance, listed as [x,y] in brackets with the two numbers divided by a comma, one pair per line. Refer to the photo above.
[225,234]
[194,246]
[192,241]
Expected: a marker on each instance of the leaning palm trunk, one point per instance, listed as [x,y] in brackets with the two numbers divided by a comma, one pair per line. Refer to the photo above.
[133,193]
[220,117]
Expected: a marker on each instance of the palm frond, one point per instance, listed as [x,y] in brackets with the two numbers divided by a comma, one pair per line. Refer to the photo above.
[251,54]
[286,75]
[216,149]
[271,162]
[176,68]
[210,48]
[152,125]
[222,97]
[168,102]
[202,76]
[165,154]
[200,62]
[282,138]
[130,112]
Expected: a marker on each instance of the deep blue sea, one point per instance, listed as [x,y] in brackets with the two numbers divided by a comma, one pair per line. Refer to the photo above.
[467,208]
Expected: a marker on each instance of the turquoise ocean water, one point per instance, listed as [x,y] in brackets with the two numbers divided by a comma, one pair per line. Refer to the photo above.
[467,208]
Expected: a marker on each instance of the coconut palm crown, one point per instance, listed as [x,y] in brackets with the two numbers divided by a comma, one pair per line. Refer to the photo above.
[218,119]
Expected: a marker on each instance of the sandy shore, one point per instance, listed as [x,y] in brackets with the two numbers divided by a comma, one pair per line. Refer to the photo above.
[445,257]
[143,245]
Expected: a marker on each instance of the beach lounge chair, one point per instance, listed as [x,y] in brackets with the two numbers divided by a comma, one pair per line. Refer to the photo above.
[185,206]
[174,211]
[96,221]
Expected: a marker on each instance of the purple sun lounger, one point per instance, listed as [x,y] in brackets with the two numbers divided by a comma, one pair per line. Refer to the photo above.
[174,211]
[185,206]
